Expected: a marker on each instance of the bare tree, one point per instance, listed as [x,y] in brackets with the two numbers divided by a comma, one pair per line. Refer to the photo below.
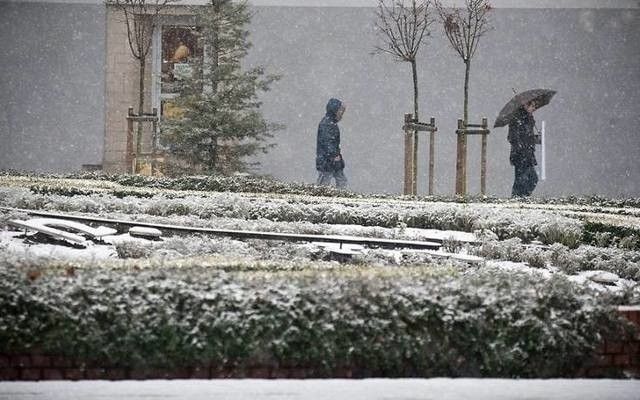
[139,17]
[403,27]
[464,28]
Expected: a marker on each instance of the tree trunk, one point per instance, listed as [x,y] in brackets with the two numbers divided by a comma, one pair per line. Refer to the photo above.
[463,142]
[467,67]
[213,155]
[414,172]
[140,105]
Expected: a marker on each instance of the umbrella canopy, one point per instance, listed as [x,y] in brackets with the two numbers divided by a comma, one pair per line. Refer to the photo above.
[541,96]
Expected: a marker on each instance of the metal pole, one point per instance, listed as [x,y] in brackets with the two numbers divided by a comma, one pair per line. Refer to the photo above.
[432,122]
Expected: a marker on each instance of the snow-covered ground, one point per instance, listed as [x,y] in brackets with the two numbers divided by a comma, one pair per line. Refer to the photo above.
[334,389]
[13,243]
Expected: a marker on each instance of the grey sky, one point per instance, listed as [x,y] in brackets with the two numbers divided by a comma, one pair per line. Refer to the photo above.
[635,4]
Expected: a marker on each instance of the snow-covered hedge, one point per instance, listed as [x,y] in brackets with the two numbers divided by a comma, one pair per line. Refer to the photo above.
[526,224]
[260,184]
[394,322]
[623,262]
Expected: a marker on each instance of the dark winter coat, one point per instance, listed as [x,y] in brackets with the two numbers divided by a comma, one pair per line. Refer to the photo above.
[522,139]
[328,140]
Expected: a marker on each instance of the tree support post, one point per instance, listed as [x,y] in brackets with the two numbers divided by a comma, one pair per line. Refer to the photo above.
[134,155]
[461,176]
[432,143]
[408,156]
[461,160]
[483,159]
[411,127]
[129,155]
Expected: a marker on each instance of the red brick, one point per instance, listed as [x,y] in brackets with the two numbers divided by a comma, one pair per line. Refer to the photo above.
[280,373]
[613,347]
[95,373]
[31,374]
[300,373]
[634,316]
[632,372]
[200,373]
[21,360]
[138,373]
[621,360]
[115,374]
[632,347]
[168,374]
[221,373]
[74,374]
[259,373]
[5,361]
[595,372]
[39,360]
[343,373]
[178,373]
[9,374]
[62,362]
[156,374]
[239,373]
[52,374]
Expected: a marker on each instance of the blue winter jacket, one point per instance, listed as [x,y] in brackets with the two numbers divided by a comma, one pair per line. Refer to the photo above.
[328,141]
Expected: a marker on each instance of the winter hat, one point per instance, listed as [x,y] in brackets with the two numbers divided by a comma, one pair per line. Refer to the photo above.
[333,106]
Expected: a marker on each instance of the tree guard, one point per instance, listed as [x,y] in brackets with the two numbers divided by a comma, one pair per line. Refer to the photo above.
[138,161]
[461,157]
[410,126]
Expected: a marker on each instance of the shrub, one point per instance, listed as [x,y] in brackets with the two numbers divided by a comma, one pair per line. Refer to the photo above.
[568,234]
[388,322]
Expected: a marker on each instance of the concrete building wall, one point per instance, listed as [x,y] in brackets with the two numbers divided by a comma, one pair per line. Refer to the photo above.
[51,86]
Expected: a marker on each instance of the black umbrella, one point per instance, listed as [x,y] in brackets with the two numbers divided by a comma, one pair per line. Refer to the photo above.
[542,97]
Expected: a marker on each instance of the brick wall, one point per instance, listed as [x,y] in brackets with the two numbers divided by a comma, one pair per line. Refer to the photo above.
[617,357]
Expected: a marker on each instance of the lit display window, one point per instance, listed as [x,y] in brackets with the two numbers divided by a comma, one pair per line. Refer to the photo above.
[180,53]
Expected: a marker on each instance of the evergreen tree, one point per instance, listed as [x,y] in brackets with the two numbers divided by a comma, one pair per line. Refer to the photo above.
[220,123]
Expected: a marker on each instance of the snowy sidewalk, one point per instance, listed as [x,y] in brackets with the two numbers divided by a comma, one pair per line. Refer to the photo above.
[337,389]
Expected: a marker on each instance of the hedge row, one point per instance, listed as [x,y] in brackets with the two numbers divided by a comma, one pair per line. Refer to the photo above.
[263,184]
[393,322]
[625,263]
[526,224]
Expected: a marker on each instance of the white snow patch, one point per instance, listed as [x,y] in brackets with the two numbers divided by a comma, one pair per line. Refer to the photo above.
[11,244]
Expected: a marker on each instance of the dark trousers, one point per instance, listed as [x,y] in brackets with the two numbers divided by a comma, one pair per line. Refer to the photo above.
[525,180]
[324,178]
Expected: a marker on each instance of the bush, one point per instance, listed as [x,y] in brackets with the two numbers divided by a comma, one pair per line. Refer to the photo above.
[389,322]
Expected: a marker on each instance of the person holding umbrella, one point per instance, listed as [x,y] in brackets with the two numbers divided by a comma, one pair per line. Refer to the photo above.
[523,146]
[518,114]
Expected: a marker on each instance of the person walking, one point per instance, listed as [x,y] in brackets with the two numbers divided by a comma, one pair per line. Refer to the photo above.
[523,140]
[329,161]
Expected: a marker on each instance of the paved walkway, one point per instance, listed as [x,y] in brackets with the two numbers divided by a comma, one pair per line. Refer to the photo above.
[335,389]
